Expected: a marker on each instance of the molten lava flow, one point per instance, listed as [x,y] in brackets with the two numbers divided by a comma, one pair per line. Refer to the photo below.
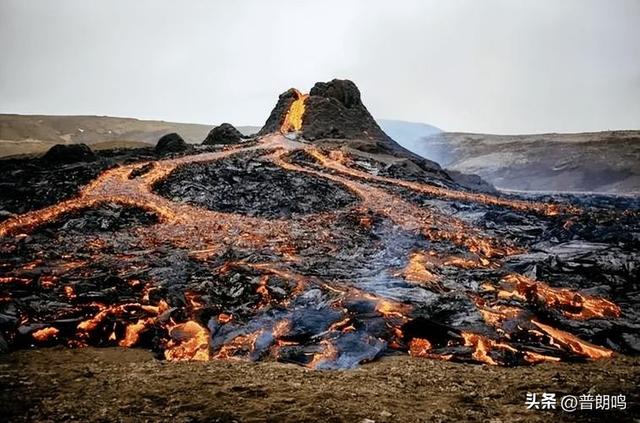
[391,308]
[535,358]
[240,345]
[387,308]
[419,347]
[293,119]
[193,299]
[344,325]
[13,280]
[189,342]
[45,334]
[329,353]
[541,208]
[483,345]
[281,328]
[496,315]
[407,215]
[263,290]
[573,343]
[70,292]
[416,270]
[132,332]
[466,263]
[224,318]
[423,267]
[48,281]
[114,186]
[91,324]
[572,304]
[208,235]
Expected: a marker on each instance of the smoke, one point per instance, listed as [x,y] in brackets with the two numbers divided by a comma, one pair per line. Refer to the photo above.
[413,136]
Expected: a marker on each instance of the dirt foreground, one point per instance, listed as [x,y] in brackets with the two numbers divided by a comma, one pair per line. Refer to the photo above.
[129,385]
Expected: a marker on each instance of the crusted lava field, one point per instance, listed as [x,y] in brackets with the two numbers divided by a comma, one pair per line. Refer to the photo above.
[311,253]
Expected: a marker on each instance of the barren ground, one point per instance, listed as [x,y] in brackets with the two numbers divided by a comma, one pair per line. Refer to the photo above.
[114,384]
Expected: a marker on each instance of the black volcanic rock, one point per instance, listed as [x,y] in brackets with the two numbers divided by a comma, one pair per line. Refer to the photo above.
[29,184]
[252,187]
[223,134]
[171,143]
[334,110]
[68,153]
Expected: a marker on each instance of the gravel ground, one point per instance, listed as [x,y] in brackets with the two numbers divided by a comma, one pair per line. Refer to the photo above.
[114,384]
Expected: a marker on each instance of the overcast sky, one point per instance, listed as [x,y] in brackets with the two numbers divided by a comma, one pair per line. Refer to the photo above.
[479,66]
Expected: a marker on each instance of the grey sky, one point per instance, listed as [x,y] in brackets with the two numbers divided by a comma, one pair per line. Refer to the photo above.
[484,66]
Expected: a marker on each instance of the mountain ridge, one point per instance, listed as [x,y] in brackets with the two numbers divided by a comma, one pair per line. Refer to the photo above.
[606,161]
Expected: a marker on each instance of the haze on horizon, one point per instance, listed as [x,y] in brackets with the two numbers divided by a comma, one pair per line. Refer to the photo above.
[492,66]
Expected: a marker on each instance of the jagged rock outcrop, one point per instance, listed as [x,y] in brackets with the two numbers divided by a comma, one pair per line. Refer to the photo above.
[334,110]
[68,153]
[171,143]
[223,134]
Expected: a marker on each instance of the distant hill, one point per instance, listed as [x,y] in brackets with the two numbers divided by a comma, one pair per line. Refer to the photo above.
[596,161]
[32,134]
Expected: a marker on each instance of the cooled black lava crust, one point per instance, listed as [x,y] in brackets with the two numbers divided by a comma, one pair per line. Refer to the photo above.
[108,218]
[254,188]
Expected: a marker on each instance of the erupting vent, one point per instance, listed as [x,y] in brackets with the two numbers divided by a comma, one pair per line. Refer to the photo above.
[293,118]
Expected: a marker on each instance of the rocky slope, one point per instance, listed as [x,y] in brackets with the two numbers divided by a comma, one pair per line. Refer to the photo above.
[598,162]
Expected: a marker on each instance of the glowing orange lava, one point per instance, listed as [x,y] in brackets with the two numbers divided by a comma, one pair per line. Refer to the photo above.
[417,271]
[572,304]
[132,332]
[573,343]
[45,334]
[482,346]
[293,119]
[419,347]
[190,342]
[328,353]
